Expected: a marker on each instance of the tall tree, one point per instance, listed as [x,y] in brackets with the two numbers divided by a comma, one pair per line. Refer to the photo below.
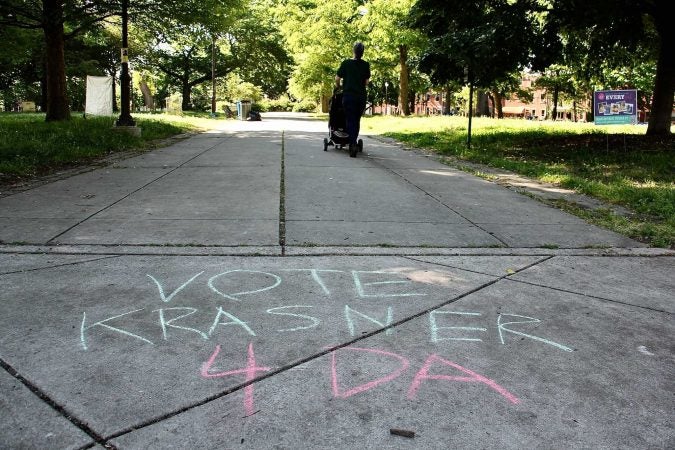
[393,40]
[319,34]
[60,20]
[608,28]
[481,42]
[246,43]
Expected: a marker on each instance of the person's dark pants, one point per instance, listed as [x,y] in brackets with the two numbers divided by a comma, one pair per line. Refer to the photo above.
[354,106]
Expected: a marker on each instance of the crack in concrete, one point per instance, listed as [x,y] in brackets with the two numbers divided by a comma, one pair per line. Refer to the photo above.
[74,263]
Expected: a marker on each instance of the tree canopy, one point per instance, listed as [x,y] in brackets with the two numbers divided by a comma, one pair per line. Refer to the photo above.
[296,46]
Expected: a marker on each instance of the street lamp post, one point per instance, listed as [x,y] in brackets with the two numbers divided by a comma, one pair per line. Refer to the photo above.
[213,76]
[386,98]
[125,119]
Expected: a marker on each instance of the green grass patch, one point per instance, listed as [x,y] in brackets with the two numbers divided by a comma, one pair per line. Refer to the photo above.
[29,146]
[616,164]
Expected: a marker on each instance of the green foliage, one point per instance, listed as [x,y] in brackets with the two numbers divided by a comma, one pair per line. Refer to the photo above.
[281,104]
[30,146]
[236,89]
[319,34]
[305,106]
[480,41]
[246,44]
[21,66]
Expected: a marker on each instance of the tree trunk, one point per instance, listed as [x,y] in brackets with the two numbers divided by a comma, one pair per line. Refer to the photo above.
[403,103]
[114,93]
[57,97]
[574,109]
[554,113]
[482,105]
[660,116]
[187,92]
[498,105]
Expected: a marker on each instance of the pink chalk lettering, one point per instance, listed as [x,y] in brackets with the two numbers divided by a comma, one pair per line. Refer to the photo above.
[472,377]
[371,384]
[250,371]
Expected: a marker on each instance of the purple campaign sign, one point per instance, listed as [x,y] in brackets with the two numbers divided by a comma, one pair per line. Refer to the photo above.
[615,107]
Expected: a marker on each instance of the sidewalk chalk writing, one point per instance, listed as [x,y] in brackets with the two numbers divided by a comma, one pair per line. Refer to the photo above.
[435,368]
[367,286]
[247,305]
[168,324]
[250,371]
[268,281]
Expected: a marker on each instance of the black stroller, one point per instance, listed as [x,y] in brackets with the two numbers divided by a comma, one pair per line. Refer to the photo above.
[337,126]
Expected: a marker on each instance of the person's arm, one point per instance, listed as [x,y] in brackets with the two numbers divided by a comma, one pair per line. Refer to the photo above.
[340,74]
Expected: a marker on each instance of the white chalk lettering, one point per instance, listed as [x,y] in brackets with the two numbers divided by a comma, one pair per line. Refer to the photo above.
[435,328]
[102,323]
[314,320]
[166,299]
[350,323]
[502,327]
[234,321]
[316,277]
[169,323]
[356,274]
[277,282]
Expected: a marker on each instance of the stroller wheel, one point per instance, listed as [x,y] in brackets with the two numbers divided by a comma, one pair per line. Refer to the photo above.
[360,145]
[325,144]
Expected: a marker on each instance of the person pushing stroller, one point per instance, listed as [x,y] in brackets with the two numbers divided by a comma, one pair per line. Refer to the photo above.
[355,75]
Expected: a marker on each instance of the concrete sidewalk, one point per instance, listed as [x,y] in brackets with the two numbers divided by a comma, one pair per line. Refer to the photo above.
[245,289]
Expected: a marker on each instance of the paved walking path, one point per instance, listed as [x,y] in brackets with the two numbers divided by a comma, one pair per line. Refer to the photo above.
[245,289]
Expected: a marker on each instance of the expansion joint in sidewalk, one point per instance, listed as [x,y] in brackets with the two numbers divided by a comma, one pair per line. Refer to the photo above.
[282,198]
[55,406]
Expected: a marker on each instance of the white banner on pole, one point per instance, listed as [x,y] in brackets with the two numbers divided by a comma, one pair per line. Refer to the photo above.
[99,96]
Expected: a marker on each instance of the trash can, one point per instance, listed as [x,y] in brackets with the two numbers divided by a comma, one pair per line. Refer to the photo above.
[243,108]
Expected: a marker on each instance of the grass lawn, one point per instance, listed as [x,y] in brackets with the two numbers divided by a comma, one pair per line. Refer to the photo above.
[30,147]
[617,164]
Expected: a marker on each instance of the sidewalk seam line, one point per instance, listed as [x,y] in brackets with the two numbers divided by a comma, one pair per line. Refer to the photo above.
[595,297]
[413,258]
[61,265]
[282,197]
[133,192]
[442,203]
[542,285]
[61,410]
[310,358]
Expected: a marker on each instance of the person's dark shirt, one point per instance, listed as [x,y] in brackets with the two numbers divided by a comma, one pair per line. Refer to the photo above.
[354,73]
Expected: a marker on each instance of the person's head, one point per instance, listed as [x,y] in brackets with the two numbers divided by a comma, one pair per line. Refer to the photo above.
[358,50]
